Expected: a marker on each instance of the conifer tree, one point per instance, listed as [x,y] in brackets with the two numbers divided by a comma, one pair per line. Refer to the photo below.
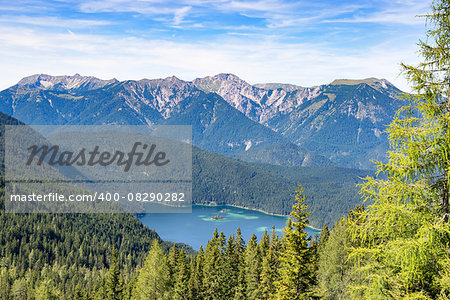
[19,289]
[264,244]
[404,240]
[240,243]
[334,274]
[196,279]
[239,293]
[153,281]
[212,271]
[181,289]
[173,259]
[252,274]
[46,291]
[231,268]
[296,270]
[114,283]
[324,235]
[270,268]
[5,283]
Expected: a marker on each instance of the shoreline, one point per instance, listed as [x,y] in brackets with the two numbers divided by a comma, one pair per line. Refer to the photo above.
[255,209]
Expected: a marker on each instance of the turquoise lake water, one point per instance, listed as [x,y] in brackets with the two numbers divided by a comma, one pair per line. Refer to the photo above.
[196,228]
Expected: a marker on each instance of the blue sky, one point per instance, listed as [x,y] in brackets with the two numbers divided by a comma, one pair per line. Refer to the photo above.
[301,42]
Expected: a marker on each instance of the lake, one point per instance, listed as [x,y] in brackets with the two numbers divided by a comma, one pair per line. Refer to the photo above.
[196,228]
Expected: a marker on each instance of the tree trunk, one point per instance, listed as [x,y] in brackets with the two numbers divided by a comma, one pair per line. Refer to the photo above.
[447,167]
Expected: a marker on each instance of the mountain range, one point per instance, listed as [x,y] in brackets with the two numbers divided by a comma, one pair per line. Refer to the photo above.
[340,123]
[343,121]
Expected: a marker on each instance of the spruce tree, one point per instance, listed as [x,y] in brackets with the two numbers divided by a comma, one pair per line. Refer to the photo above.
[239,293]
[231,268]
[297,278]
[196,279]
[403,251]
[114,284]
[253,261]
[213,268]
[334,274]
[46,291]
[270,268]
[173,259]
[181,289]
[5,283]
[324,235]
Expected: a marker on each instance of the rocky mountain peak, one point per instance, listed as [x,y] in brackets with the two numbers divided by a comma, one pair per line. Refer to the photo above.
[381,85]
[338,119]
[219,82]
[258,102]
[372,81]
[171,82]
[66,82]
[227,77]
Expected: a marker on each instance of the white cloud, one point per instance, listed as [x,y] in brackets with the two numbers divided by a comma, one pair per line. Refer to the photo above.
[180,14]
[26,52]
[53,22]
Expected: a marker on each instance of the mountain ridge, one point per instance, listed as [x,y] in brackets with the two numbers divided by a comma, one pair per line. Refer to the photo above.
[217,127]
[343,120]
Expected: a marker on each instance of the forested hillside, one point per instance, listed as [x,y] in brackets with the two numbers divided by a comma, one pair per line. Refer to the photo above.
[332,192]
[67,254]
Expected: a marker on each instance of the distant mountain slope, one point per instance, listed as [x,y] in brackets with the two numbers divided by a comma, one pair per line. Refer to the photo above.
[345,123]
[217,127]
[343,120]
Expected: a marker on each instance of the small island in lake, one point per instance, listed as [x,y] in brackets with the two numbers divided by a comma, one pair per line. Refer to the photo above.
[224,210]
[217,217]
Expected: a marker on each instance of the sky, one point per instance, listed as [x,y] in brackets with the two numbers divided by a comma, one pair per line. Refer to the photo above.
[300,42]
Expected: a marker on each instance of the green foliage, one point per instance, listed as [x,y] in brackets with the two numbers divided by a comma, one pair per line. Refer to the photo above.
[70,250]
[181,288]
[270,268]
[214,269]
[404,235]
[153,281]
[296,275]
[196,277]
[334,270]
[273,268]
[252,257]
[114,283]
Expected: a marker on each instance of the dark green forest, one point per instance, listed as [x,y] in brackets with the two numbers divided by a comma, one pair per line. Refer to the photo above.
[331,191]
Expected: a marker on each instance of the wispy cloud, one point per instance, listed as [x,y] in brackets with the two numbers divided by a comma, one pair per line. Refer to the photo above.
[180,14]
[152,7]
[301,42]
[53,21]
